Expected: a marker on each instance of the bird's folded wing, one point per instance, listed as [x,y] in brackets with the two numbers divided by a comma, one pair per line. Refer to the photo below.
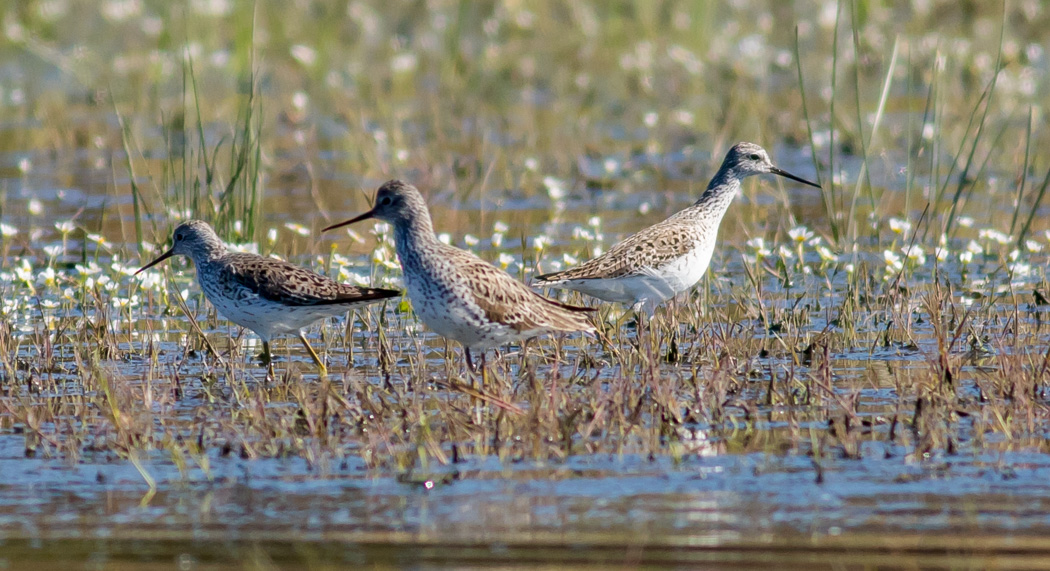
[289,284]
[651,247]
[507,301]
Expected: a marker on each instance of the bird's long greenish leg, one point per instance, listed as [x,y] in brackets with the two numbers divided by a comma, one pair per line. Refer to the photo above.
[470,362]
[267,359]
[313,354]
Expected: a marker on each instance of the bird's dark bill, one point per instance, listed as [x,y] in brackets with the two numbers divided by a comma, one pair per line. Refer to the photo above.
[159,259]
[364,216]
[786,174]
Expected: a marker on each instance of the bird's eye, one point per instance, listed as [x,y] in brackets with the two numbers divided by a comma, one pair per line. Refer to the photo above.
[178,237]
[384,201]
[754,157]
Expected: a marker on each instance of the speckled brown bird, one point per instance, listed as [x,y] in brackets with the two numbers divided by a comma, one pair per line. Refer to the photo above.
[668,258]
[267,295]
[456,293]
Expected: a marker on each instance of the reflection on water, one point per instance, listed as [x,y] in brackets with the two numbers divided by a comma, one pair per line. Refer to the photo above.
[724,508]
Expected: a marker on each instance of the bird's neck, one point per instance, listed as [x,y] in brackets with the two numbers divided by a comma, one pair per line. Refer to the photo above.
[209,253]
[414,234]
[719,194]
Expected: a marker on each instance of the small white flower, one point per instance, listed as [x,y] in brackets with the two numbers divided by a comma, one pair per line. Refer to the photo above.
[500,227]
[800,234]
[893,261]
[150,280]
[403,62]
[90,269]
[974,249]
[122,302]
[899,226]
[995,235]
[119,268]
[46,277]
[35,207]
[340,261]
[555,187]
[470,240]
[249,248]
[505,260]
[304,54]
[1033,246]
[65,226]
[1020,269]
[966,257]
[297,228]
[965,221]
[915,254]
[758,244]
[7,231]
[683,117]
[24,272]
[826,254]
[445,238]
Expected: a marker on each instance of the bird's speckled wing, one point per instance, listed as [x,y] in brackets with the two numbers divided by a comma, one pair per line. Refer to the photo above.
[288,284]
[652,247]
[506,300]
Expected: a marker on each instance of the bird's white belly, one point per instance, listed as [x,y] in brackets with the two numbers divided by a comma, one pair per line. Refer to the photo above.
[452,320]
[450,316]
[267,318]
[651,285]
[681,274]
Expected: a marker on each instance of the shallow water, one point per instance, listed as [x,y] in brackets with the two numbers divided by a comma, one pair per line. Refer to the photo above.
[730,509]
